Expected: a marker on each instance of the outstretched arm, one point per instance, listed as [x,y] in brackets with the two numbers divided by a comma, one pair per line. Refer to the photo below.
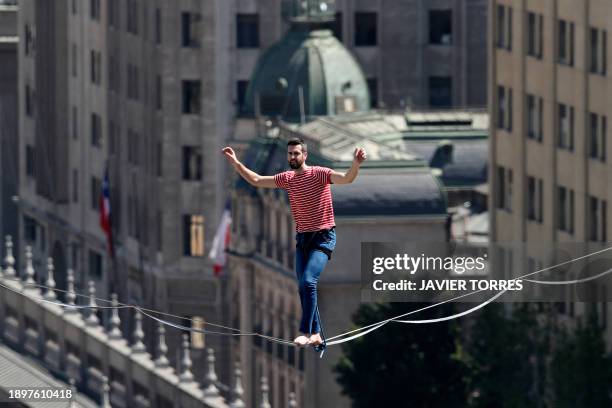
[349,176]
[250,176]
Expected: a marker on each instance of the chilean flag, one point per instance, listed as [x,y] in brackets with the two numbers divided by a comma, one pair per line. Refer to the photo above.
[105,212]
[222,240]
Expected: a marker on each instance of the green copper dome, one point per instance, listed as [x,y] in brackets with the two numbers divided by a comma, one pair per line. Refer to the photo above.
[311,63]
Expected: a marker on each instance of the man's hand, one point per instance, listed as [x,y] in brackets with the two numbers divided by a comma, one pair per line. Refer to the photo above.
[359,155]
[230,155]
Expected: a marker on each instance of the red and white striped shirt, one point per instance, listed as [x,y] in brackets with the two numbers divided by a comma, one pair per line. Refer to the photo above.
[310,197]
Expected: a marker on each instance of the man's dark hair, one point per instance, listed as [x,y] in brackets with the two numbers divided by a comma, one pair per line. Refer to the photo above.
[298,142]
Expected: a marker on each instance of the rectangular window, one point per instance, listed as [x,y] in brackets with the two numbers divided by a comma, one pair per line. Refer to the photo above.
[566,34]
[158,92]
[75,185]
[441,27]
[30,228]
[132,16]
[531,198]
[74,61]
[535,119]
[112,10]
[440,91]
[598,51]
[94,8]
[132,142]
[158,26]
[593,218]
[29,39]
[95,265]
[29,101]
[191,96]
[96,130]
[190,28]
[241,88]
[193,235]
[96,187]
[535,31]
[501,107]
[192,163]
[366,29]
[566,209]
[247,30]
[133,82]
[373,89]
[504,27]
[502,188]
[597,136]
[75,123]
[112,137]
[160,156]
[534,199]
[95,60]
[566,127]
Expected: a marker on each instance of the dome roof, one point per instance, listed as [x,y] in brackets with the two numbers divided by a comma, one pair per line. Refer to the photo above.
[315,61]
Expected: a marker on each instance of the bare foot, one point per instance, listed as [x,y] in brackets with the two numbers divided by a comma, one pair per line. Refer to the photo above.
[301,340]
[316,339]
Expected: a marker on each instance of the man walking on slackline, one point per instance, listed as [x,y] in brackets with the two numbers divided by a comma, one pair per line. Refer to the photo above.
[311,205]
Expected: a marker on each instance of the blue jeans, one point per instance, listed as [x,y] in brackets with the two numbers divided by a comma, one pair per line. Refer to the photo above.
[309,263]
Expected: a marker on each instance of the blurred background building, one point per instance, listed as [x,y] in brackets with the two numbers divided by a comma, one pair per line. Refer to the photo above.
[549,92]
[147,92]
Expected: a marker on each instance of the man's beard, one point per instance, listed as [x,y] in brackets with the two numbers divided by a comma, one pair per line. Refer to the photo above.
[294,164]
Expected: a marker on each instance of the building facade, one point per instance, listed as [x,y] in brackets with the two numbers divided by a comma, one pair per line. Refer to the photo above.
[549,92]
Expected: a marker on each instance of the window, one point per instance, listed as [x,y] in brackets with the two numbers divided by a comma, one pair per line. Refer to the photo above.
[241,88]
[440,27]
[366,29]
[158,92]
[74,7]
[96,187]
[75,185]
[504,27]
[599,52]
[132,16]
[597,136]
[133,85]
[75,123]
[30,227]
[96,130]
[504,188]
[74,61]
[373,89]
[29,39]
[113,74]
[247,30]
[566,34]
[504,108]
[440,91]
[535,119]
[96,67]
[29,162]
[95,265]
[29,101]
[192,163]
[191,96]
[132,141]
[565,198]
[94,9]
[535,40]
[190,28]
[112,10]
[566,127]
[158,26]
[534,199]
[160,156]
[193,235]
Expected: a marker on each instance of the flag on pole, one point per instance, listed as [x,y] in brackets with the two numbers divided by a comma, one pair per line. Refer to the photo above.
[105,213]
[222,240]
